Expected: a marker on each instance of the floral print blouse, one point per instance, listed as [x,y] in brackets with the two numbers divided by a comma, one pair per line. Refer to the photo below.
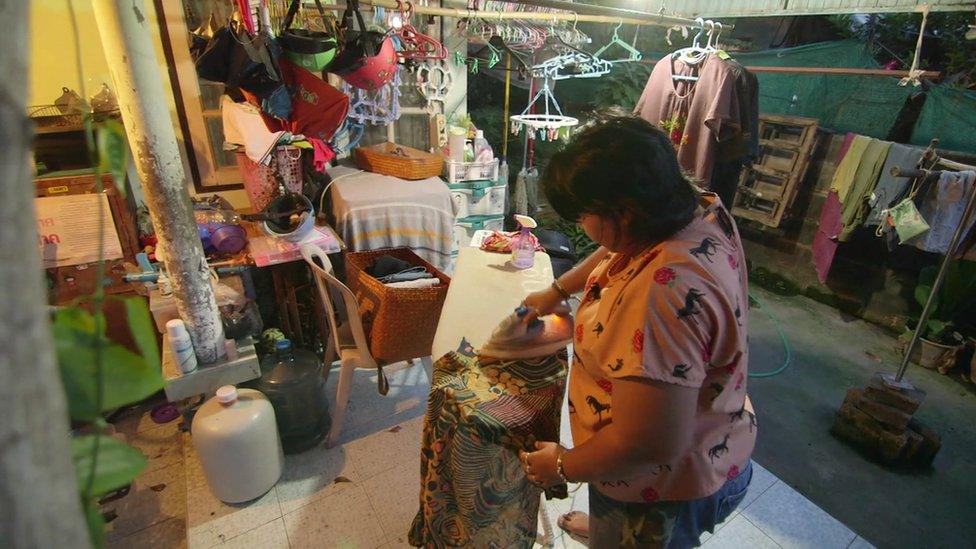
[676,313]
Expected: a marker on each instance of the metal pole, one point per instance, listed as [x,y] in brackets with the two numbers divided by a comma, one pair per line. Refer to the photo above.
[927,310]
[648,19]
[125,34]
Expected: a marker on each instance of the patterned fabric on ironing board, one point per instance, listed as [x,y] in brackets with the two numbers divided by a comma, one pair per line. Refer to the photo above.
[480,412]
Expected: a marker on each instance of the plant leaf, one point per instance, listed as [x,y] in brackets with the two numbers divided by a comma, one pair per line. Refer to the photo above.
[113,151]
[143,330]
[127,377]
[117,463]
[96,525]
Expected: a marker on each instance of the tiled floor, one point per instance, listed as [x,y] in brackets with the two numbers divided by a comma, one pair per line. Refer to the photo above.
[363,493]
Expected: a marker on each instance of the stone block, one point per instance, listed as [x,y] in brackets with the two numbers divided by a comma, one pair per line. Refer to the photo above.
[862,430]
[906,400]
[892,418]
[930,446]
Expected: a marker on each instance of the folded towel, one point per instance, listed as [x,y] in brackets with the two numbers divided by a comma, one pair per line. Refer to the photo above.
[419,283]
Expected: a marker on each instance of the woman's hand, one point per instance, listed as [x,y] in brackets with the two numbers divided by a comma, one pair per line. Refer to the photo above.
[540,466]
[542,303]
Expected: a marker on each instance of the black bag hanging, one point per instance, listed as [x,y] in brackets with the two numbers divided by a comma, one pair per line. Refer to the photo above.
[311,50]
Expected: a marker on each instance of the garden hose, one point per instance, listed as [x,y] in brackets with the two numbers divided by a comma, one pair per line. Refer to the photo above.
[782,337]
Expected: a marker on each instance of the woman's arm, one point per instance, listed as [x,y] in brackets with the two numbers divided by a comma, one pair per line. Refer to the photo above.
[545,301]
[653,423]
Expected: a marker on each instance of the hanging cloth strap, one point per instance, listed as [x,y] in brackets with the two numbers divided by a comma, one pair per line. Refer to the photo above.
[914,74]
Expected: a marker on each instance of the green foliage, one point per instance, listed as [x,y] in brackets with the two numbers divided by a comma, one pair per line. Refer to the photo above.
[584,246]
[125,377]
[622,87]
[956,297]
[895,35]
[118,463]
[113,153]
[97,373]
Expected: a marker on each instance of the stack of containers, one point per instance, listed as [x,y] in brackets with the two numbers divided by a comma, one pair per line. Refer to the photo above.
[478,193]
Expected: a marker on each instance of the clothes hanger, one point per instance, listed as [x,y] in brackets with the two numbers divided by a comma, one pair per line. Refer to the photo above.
[416,45]
[694,54]
[633,54]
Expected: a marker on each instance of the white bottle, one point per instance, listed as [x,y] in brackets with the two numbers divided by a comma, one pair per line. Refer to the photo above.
[182,347]
[482,149]
[236,436]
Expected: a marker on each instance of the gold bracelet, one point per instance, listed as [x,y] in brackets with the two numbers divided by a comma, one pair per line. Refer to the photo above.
[559,468]
[560,290]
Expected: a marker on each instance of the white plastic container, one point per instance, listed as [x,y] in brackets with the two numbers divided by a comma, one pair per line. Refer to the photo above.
[471,171]
[236,437]
[478,198]
[180,344]
[465,228]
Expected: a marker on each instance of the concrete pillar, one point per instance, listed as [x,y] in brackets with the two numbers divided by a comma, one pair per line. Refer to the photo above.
[126,38]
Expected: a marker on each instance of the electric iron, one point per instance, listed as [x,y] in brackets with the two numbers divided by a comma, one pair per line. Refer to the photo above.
[515,339]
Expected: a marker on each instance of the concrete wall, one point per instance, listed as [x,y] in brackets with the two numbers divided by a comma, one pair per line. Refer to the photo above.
[866,280]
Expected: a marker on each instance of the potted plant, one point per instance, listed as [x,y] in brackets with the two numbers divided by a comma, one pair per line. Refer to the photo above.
[940,340]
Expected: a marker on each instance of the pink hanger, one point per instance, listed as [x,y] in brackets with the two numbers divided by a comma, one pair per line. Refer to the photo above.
[417,46]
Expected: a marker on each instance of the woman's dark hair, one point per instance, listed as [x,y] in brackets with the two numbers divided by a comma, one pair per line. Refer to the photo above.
[622,167]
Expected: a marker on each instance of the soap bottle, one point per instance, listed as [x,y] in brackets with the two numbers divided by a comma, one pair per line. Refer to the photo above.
[182,347]
[523,245]
[482,149]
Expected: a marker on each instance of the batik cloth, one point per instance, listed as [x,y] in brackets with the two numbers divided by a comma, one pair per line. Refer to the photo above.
[677,314]
[480,413]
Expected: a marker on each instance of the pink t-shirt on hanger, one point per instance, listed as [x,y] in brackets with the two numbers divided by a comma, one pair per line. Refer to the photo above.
[696,115]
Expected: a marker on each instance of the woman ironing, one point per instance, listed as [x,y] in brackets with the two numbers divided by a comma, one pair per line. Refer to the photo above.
[662,427]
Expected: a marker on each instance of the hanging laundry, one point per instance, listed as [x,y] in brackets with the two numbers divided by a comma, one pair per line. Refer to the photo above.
[243,126]
[943,208]
[856,204]
[825,239]
[890,189]
[697,115]
[847,167]
[322,154]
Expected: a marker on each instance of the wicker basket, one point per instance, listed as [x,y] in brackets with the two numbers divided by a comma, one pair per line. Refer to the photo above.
[399,161]
[399,322]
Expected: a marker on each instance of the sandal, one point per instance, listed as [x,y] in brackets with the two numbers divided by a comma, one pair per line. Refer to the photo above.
[564,523]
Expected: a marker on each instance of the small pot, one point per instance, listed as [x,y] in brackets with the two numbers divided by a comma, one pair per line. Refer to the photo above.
[932,355]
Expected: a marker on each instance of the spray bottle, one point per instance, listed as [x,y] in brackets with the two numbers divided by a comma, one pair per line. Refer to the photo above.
[523,245]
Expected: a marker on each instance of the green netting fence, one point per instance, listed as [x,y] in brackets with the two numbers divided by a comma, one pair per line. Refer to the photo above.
[950,115]
[860,104]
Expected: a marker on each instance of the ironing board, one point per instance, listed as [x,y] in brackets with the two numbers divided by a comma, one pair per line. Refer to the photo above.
[481,411]
[484,290]
[375,211]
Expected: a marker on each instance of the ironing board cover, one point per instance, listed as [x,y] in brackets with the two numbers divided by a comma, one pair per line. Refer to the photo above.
[480,412]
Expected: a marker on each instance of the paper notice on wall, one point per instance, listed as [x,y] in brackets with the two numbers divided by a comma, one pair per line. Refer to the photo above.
[67,229]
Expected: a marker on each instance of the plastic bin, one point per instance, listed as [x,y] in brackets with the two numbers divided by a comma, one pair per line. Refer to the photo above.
[471,171]
[465,227]
[478,198]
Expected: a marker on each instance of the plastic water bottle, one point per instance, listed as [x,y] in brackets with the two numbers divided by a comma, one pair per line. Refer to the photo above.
[482,149]
[523,246]
[182,347]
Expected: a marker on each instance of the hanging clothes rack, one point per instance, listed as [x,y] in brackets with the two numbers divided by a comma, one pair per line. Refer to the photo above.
[634,18]
[933,158]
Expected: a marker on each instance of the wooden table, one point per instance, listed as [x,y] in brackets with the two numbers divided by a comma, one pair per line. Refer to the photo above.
[484,290]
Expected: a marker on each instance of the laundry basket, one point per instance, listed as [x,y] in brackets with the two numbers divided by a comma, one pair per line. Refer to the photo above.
[260,181]
[399,322]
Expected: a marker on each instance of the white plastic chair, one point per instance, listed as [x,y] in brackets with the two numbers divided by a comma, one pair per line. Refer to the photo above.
[348,342]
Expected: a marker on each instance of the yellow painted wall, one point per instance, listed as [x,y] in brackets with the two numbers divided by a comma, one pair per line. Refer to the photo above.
[54,60]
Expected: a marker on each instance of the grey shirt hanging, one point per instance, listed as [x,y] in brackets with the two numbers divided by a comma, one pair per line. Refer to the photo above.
[891,188]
